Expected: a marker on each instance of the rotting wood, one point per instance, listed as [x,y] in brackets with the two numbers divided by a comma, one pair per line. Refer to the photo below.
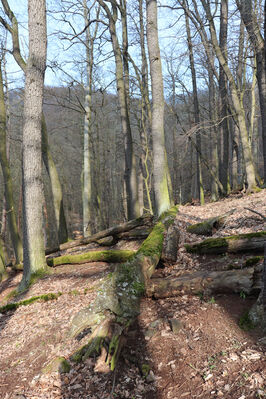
[237,243]
[110,256]
[113,231]
[118,299]
[207,226]
[206,282]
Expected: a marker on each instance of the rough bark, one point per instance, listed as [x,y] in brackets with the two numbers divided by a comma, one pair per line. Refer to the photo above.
[238,243]
[113,231]
[208,226]
[46,153]
[117,303]
[204,282]
[33,240]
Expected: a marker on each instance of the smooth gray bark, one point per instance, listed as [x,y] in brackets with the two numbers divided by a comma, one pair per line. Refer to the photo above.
[162,198]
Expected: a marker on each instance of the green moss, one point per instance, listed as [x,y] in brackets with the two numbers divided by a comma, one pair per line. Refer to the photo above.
[204,228]
[153,245]
[209,243]
[145,369]
[245,323]
[14,306]
[253,261]
[220,243]
[58,364]
[112,256]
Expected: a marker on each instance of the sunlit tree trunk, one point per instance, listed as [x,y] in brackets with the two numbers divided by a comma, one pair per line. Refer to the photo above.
[162,198]
[33,240]
[237,104]
[249,14]
[61,226]
[130,160]
[87,197]
[223,96]
[199,181]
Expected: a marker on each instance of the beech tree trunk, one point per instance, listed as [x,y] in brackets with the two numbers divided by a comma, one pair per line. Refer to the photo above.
[33,240]
[46,153]
[9,200]
[161,191]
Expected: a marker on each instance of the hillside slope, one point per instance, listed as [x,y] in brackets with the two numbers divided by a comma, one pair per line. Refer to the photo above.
[182,347]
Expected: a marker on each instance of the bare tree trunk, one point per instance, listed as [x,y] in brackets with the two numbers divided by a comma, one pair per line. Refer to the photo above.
[223,96]
[130,161]
[248,14]
[162,198]
[33,240]
[237,103]
[46,153]
[9,200]
[199,182]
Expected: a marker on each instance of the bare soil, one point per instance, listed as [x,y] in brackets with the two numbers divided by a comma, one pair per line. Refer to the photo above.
[209,357]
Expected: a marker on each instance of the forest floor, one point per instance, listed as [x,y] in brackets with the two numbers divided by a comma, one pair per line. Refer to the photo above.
[209,357]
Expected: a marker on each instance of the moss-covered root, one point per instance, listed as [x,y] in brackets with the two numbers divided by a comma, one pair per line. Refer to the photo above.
[110,256]
[109,336]
[15,305]
[234,244]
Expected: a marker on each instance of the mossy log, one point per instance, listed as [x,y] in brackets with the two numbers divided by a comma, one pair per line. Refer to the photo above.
[118,299]
[207,226]
[237,243]
[203,282]
[113,231]
[110,256]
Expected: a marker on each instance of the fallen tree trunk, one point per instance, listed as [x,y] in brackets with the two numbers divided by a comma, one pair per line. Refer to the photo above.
[110,256]
[236,243]
[207,226]
[113,231]
[203,282]
[117,303]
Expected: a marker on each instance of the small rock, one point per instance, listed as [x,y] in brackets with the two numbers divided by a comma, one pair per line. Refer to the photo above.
[227,387]
[219,393]
[150,377]
[234,357]
[76,386]
[176,325]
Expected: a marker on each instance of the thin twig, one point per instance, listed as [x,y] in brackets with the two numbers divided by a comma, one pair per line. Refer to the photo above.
[251,210]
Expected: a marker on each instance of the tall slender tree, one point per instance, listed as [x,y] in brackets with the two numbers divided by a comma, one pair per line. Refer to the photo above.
[57,194]
[160,167]
[121,82]
[9,198]
[33,240]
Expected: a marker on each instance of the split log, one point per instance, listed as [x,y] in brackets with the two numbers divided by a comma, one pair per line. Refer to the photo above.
[113,231]
[110,256]
[207,227]
[237,243]
[203,282]
[118,299]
